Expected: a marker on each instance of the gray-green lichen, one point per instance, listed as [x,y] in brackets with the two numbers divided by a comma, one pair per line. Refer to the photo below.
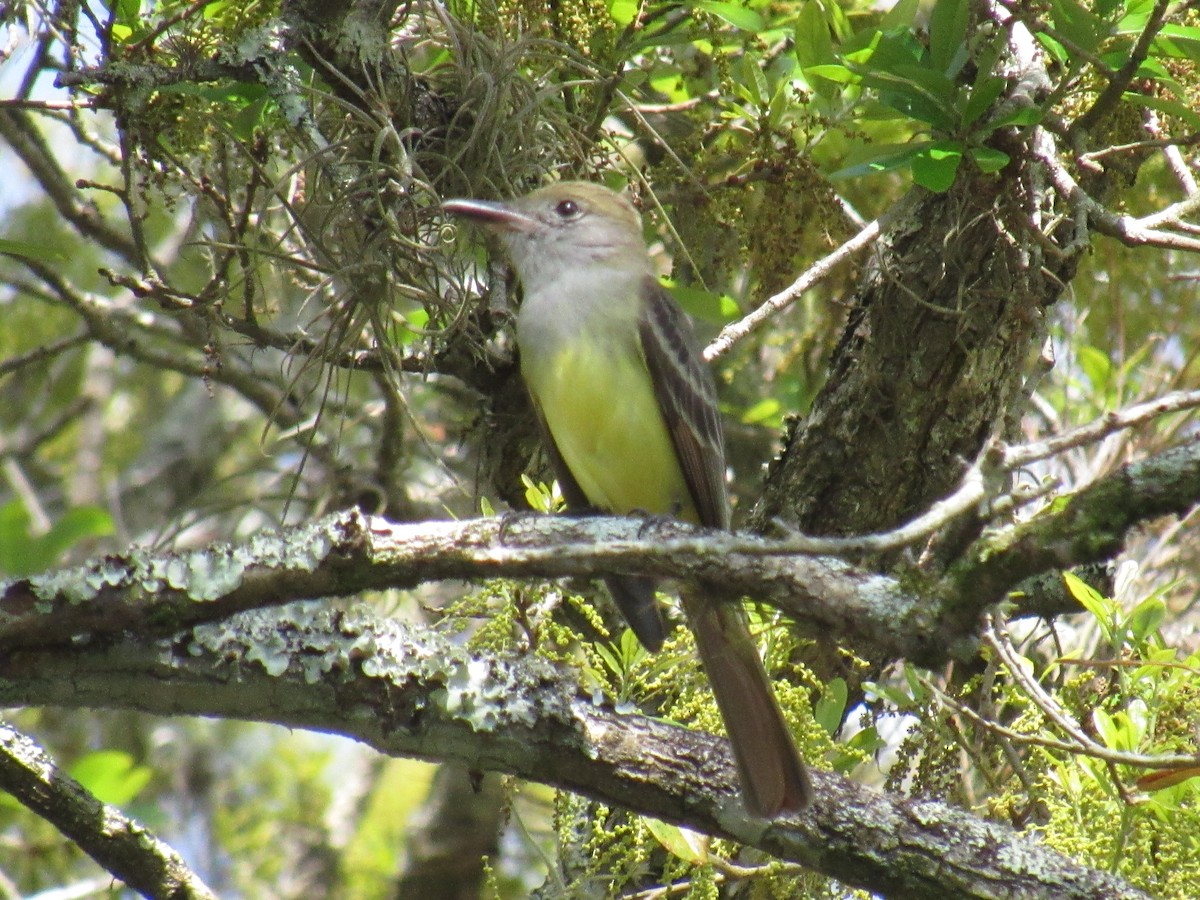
[202,575]
[319,644]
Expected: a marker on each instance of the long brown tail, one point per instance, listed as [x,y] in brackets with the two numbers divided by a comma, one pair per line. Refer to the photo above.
[774,778]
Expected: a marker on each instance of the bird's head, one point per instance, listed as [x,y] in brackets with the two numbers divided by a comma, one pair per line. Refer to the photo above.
[562,226]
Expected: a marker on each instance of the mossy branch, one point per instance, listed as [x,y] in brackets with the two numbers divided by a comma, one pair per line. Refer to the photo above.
[411,693]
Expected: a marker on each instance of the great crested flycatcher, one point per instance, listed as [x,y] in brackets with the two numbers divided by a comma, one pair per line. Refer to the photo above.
[629,413]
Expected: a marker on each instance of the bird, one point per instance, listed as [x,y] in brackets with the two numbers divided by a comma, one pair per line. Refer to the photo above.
[627,408]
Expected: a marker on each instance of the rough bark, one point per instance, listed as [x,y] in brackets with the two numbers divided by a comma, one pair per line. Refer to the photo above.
[416,694]
[930,364]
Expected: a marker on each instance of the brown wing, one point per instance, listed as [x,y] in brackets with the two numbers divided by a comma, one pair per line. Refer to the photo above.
[688,400]
[773,776]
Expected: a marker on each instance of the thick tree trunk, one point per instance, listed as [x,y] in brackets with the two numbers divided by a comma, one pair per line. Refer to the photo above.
[932,361]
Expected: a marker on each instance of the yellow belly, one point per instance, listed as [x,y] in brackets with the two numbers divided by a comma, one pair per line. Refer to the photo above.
[601,410]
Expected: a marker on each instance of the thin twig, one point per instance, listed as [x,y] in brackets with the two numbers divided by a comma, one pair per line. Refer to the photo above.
[1002,646]
[816,273]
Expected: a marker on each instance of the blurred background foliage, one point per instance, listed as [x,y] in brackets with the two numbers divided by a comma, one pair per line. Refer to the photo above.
[230,302]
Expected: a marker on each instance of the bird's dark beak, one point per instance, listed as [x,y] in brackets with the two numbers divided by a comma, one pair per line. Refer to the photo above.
[492,215]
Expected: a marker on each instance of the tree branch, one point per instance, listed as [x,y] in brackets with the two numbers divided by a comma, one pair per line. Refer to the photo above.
[119,844]
[772,306]
[17,129]
[344,554]
[417,694]
[1091,526]
[1130,231]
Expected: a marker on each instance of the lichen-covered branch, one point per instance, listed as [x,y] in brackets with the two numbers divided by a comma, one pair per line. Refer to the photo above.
[417,694]
[921,618]
[1091,526]
[122,846]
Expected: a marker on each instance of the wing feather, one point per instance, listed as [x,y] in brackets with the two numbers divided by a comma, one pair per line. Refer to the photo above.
[687,397]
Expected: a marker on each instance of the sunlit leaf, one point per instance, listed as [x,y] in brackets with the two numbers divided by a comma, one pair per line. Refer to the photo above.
[983,95]
[1077,24]
[1146,617]
[902,15]
[831,72]
[935,167]
[1168,106]
[112,775]
[1097,366]
[623,12]
[769,409]
[814,45]
[1178,41]
[735,14]
[887,160]
[1101,607]
[23,552]
[1028,115]
[686,845]
[831,707]
[702,304]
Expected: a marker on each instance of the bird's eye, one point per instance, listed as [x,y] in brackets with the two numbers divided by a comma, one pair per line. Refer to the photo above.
[567,209]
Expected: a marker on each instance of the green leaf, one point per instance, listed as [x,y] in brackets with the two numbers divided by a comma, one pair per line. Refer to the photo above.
[902,15]
[623,12]
[701,304]
[237,93]
[886,161]
[1056,51]
[814,45]
[1078,24]
[248,119]
[1029,115]
[830,72]
[735,14]
[983,95]
[684,844]
[920,93]
[829,710]
[1106,728]
[867,741]
[1096,366]
[988,159]
[1165,105]
[24,553]
[77,524]
[1134,10]
[751,75]
[767,410]
[32,251]
[125,11]
[935,167]
[539,496]
[412,324]
[112,775]
[1178,41]
[1102,608]
[947,35]
[862,46]
[610,659]
[1146,617]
